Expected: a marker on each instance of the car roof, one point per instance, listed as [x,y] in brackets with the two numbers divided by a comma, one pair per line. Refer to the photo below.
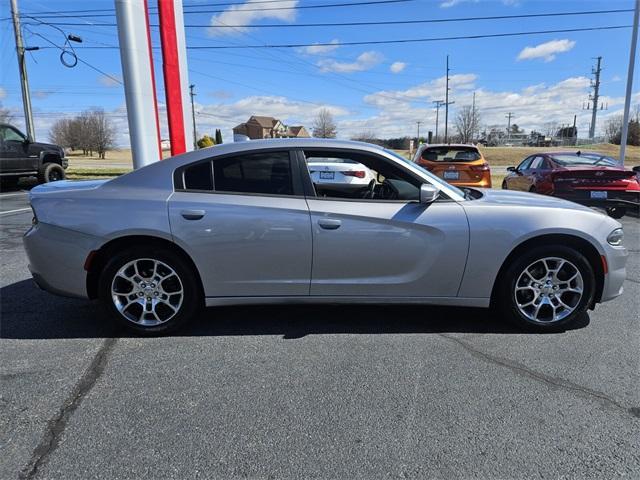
[571,152]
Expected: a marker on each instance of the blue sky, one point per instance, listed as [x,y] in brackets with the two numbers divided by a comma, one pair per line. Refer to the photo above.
[384,89]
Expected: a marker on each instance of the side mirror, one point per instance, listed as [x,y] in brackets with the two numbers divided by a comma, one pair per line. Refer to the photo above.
[636,169]
[512,169]
[428,193]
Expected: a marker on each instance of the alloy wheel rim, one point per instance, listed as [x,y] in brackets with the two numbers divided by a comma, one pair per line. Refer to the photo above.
[147,292]
[548,290]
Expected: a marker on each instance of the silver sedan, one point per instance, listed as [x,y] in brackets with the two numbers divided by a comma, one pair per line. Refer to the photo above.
[243,223]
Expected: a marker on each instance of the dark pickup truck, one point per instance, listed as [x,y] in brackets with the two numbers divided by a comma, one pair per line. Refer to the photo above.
[20,157]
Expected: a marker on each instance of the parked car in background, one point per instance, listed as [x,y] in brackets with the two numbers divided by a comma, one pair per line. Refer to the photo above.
[21,157]
[339,176]
[243,223]
[460,165]
[587,178]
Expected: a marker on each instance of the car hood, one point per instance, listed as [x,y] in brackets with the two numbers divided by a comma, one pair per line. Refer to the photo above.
[525,199]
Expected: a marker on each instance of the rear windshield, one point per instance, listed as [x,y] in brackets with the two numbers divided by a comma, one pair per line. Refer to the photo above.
[583,159]
[451,154]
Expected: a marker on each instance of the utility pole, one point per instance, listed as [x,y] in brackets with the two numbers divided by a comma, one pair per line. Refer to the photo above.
[595,97]
[446,106]
[627,100]
[509,116]
[438,103]
[193,117]
[418,138]
[22,67]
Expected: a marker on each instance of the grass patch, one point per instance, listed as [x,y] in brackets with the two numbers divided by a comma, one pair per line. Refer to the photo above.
[94,173]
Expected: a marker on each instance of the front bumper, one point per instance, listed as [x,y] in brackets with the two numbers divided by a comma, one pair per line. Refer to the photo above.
[56,258]
[614,279]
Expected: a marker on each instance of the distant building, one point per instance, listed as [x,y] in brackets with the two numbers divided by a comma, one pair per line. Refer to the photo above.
[258,127]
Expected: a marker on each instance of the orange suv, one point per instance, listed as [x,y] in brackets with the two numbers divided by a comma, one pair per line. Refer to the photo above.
[460,165]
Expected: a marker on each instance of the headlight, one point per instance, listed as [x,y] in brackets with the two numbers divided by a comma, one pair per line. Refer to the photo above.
[615,238]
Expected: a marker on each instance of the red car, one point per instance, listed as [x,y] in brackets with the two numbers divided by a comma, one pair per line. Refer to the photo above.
[583,177]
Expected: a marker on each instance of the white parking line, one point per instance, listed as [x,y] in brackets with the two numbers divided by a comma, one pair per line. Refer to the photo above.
[16,211]
[5,195]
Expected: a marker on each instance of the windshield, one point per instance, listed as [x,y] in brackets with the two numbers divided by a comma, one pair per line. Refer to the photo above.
[570,159]
[431,176]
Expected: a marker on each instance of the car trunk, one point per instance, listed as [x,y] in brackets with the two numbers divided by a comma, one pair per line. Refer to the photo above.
[593,179]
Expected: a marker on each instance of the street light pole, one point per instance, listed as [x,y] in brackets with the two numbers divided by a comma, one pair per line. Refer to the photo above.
[438,103]
[627,100]
[22,67]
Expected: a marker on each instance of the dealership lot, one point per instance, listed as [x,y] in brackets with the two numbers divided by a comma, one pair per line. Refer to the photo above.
[324,392]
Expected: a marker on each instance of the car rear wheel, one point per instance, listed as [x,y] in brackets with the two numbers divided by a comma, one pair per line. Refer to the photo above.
[616,212]
[51,172]
[504,185]
[150,290]
[547,289]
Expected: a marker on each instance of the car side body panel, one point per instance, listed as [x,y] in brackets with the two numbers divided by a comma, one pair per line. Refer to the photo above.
[402,249]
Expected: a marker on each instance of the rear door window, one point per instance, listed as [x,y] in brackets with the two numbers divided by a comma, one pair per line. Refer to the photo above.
[257,173]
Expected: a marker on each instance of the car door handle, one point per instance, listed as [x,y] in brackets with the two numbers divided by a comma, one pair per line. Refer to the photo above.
[192,214]
[329,223]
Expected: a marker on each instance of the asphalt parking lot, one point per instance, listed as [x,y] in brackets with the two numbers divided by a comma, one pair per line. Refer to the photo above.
[312,392]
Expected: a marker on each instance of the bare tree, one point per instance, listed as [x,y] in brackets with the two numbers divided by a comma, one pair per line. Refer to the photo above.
[324,126]
[5,114]
[102,132]
[91,131]
[613,129]
[467,122]
[368,136]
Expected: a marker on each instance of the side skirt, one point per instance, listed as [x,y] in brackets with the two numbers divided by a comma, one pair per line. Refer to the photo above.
[311,300]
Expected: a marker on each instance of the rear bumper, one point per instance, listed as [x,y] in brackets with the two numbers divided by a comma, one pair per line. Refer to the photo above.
[56,259]
[615,198]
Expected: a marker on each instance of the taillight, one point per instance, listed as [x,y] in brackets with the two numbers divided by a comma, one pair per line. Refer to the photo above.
[479,168]
[354,173]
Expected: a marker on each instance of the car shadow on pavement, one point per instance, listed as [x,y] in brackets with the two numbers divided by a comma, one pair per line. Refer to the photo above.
[29,313]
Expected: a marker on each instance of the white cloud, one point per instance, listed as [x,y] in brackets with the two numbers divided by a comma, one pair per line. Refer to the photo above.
[397,67]
[364,61]
[41,94]
[250,12]
[113,80]
[616,78]
[3,93]
[320,49]
[547,50]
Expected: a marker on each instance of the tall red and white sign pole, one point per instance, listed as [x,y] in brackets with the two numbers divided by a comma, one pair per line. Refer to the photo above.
[139,81]
[176,77]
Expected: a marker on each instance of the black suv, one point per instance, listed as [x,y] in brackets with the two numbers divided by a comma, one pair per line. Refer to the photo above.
[20,157]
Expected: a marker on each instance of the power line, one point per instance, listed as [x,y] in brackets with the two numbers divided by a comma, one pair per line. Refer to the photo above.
[413,40]
[376,23]
[387,42]
[296,7]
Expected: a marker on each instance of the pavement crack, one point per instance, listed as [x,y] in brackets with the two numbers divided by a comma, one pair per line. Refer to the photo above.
[57,424]
[542,378]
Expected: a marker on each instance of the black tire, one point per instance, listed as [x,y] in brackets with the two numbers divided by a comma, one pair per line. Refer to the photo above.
[192,301]
[505,300]
[504,185]
[616,212]
[532,190]
[51,172]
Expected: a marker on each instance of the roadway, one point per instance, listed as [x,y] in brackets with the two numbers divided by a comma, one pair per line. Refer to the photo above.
[301,392]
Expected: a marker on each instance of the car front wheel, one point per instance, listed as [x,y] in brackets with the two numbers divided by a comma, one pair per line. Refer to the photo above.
[616,212]
[150,290]
[547,289]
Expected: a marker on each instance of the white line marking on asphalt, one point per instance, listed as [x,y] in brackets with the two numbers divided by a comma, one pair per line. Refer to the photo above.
[21,194]
[16,211]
